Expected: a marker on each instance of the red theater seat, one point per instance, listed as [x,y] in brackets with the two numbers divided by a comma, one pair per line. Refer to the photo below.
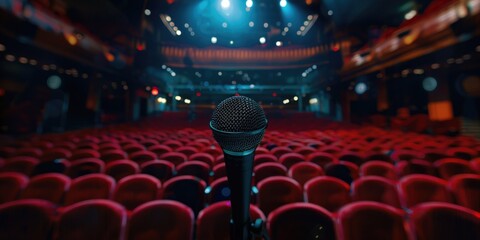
[328,192]
[377,189]
[277,191]
[188,190]
[203,157]
[30,219]
[466,190]
[161,169]
[419,188]
[93,220]
[143,156]
[372,221]
[92,186]
[268,169]
[352,157]
[415,166]
[187,150]
[48,186]
[462,153]
[289,159]
[378,168]
[444,221]
[213,221]
[174,157]
[119,169]
[134,190]
[84,153]
[159,149]
[263,158]
[219,190]
[133,148]
[85,166]
[475,164]
[304,171]
[174,144]
[261,150]
[219,171]
[29,152]
[406,155]
[162,220]
[305,151]
[449,167]
[11,185]
[301,221]
[321,158]
[279,151]
[24,165]
[346,171]
[194,168]
[112,155]
[56,153]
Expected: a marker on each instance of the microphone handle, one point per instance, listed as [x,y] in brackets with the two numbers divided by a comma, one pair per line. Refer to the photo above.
[239,174]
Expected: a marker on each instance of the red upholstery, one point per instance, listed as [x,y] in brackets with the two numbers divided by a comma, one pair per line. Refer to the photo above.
[328,192]
[85,166]
[194,168]
[188,190]
[187,150]
[84,153]
[373,221]
[119,169]
[174,157]
[92,219]
[48,186]
[11,184]
[301,221]
[352,157]
[134,190]
[415,166]
[289,159]
[213,221]
[219,190]
[448,167]
[279,151]
[378,168]
[346,171]
[219,171]
[161,169]
[30,219]
[174,144]
[466,190]
[56,153]
[475,164]
[91,186]
[263,158]
[29,152]
[418,188]
[304,171]
[203,157]
[162,220]
[399,155]
[444,221]
[277,191]
[159,149]
[23,165]
[462,153]
[268,169]
[321,158]
[112,155]
[142,156]
[305,151]
[377,189]
[133,148]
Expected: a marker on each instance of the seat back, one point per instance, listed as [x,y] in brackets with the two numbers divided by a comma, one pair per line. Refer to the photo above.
[304,171]
[377,189]
[328,192]
[28,219]
[119,169]
[161,169]
[449,167]
[289,159]
[378,168]
[188,190]
[277,191]
[466,190]
[97,219]
[194,168]
[419,188]
[85,166]
[48,186]
[11,185]
[268,169]
[162,220]
[134,190]
[91,186]
[301,221]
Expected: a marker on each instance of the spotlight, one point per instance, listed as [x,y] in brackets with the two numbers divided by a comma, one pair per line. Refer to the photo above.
[148,12]
[262,40]
[178,98]
[214,40]
[225,4]
[249,3]
[187,101]
[283,3]
[295,98]
[410,14]
[279,44]
[360,88]
[179,32]
[429,84]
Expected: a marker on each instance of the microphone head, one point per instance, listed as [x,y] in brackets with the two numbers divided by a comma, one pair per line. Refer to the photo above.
[238,124]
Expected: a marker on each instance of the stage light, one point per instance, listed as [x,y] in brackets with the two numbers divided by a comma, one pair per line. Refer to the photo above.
[2,47]
[251,24]
[265,25]
[187,101]
[360,88]
[252,85]
[286,101]
[262,40]
[220,73]
[278,44]
[178,98]
[54,82]
[10,57]
[285,29]
[173,74]
[411,14]
[147,12]
[178,32]
[168,18]
[249,3]
[154,91]
[224,25]
[429,84]
[225,4]
[330,12]
[214,40]
[313,101]
[231,42]
[295,98]
[283,3]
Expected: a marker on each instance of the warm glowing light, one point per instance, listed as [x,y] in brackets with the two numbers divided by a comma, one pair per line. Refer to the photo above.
[2,47]
[71,39]
[418,71]
[154,91]
[23,60]
[187,101]
[10,57]
[313,101]
[33,62]
[262,40]
[168,18]
[295,98]
[178,98]
[278,43]
[110,57]
[440,111]
[286,101]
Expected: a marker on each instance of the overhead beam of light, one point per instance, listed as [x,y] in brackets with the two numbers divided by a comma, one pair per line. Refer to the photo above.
[225,4]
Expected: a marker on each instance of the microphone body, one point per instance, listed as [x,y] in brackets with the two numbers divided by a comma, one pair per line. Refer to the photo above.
[238,124]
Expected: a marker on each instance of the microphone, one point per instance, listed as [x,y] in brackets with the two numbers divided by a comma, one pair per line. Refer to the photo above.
[238,124]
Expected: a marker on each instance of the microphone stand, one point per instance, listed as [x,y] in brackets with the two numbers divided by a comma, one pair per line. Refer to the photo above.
[239,174]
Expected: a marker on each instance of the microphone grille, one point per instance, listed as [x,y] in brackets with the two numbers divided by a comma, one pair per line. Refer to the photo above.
[238,114]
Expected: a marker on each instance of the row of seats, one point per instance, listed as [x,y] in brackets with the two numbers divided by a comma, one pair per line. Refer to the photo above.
[270,193]
[169,220]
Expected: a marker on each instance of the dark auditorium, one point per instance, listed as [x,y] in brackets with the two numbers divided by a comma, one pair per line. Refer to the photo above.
[239,119]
